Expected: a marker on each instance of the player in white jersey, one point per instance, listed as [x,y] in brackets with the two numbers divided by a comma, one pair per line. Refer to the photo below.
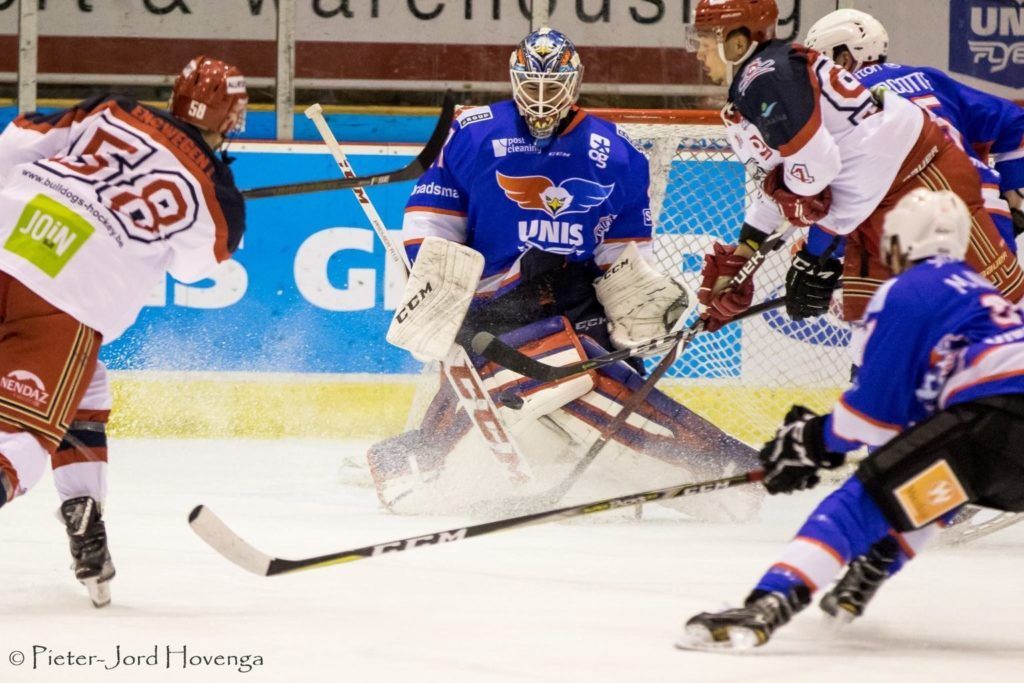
[830,154]
[535,223]
[989,128]
[102,201]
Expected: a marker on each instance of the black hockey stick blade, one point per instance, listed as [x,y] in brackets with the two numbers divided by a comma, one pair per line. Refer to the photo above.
[493,349]
[414,170]
[218,536]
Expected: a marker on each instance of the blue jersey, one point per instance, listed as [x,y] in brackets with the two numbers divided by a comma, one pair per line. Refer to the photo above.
[937,335]
[983,124]
[582,196]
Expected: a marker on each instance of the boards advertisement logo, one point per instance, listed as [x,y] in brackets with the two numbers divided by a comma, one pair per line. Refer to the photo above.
[986,40]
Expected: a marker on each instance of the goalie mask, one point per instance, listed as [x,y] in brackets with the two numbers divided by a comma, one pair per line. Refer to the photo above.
[546,73]
[925,224]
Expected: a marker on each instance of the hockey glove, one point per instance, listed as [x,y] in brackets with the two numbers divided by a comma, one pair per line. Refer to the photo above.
[792,459]
[810,283]
[720,301]
[798,209]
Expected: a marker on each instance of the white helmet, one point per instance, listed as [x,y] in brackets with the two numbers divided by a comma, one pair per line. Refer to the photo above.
[862,34]
[927,224]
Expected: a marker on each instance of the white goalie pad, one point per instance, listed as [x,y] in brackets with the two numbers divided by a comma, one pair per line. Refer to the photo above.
[640,302]
[436,298]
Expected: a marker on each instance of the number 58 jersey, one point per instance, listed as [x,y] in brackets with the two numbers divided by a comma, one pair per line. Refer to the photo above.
[583,196]
[101,201]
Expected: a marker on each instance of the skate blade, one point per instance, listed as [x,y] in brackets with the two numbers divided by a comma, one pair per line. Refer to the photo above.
[836,616]
[838,621]
[99,592]
[730,639]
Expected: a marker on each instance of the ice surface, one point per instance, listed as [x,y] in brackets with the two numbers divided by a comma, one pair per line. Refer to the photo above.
[563,602]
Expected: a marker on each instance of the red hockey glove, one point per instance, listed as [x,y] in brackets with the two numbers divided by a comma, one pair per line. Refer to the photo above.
[723,303]
[799,210]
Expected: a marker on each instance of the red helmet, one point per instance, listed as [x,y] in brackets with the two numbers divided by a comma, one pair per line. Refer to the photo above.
[725,16]
[210,95]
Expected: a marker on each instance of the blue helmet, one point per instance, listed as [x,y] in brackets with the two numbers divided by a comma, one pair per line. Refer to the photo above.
[546,74]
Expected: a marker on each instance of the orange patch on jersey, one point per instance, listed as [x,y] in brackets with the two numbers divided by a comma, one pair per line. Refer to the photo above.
[931,494]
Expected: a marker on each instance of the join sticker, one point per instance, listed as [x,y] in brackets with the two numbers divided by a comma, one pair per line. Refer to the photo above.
[48,234]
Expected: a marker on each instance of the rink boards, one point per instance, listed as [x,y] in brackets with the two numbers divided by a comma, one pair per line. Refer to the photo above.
[288,339]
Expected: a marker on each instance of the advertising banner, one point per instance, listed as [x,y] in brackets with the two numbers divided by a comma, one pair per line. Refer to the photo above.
[986,40]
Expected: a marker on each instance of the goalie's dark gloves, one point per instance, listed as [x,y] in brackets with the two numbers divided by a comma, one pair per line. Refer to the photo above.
[810,283]
[792,459]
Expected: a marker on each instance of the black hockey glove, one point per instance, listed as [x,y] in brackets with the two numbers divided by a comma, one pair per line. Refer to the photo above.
[792,459]
[1018,221]
[810,283]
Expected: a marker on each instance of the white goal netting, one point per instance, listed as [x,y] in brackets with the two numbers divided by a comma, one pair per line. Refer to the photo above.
[744,377]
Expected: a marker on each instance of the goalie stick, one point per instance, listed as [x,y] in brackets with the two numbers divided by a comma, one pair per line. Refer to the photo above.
[219,536]
[493,349]
[458,368]
[414,170]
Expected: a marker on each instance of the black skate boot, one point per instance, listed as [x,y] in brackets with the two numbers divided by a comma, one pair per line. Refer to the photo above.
[88,537]
[744,627]
[848,599]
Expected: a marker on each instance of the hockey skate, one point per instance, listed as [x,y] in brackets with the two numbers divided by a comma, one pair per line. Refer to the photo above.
[88,539]
[848,599]
[743,628]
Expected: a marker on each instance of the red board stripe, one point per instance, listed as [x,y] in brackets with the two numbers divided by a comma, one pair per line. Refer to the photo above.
[385,61]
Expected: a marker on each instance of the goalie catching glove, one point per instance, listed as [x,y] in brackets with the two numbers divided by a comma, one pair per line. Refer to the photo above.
[640,302]
[792,459]
[436,298]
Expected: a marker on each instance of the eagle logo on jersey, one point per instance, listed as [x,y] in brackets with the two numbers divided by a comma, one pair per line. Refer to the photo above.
[539,193]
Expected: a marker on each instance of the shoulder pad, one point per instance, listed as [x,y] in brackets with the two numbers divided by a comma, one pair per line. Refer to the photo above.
[468,117]
[625,136]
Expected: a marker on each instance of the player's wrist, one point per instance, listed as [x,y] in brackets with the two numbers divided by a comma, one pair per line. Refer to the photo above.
[750,240]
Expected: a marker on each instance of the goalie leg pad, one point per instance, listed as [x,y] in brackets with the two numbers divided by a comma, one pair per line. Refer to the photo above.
[662,427]
[966,453]
[440,289]
[662,441]
[404,463]
[409,470]
[551,341]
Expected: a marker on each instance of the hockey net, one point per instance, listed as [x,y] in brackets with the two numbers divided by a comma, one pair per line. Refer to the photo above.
[744,377]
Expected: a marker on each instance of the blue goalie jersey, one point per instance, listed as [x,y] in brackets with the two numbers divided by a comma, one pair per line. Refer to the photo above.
[583,196]
[937,335]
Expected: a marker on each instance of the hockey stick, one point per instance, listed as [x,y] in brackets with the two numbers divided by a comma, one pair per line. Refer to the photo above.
[493,349]
[556,493]
[414,170]
[458,368]
[221,538]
